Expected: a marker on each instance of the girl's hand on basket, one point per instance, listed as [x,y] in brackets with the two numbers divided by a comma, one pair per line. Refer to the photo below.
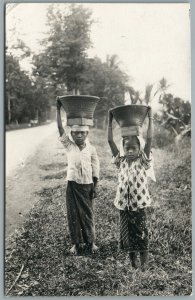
[110,116]
[58,104]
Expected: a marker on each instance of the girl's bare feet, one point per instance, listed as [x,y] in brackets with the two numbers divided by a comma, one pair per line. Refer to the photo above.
[94,248]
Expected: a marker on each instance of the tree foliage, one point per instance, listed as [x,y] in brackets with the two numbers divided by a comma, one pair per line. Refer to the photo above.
[24,99]
[65,68]
[176,113]
[105,80]
[64,58]
[18,86]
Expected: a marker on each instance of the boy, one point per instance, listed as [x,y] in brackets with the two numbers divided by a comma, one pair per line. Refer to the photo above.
[82,177]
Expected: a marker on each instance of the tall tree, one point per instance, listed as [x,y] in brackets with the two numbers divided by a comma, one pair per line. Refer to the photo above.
[65,54]
[134,95]
[148,93]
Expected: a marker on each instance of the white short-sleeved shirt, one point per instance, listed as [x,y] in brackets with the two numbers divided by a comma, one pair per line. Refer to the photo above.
[83,165]
[132,191]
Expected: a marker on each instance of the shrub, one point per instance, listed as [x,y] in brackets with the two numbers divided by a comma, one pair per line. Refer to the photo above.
[162,137]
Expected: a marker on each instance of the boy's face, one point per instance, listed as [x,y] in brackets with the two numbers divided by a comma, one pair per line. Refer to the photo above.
[79,137]
[131,148]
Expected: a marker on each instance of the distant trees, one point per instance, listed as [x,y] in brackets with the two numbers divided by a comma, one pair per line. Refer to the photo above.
[175,113]
[24,99]
[63,67]
[18,92]
[106,80]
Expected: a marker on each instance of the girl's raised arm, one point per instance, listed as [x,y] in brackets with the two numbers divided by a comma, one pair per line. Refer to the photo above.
[147,148]
[59,120]
[111,142]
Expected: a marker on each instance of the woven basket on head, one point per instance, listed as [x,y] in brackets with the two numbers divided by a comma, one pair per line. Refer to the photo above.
[79,109]
[130,117]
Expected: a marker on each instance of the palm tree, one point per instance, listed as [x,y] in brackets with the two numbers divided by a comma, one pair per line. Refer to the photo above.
[163,87]
[148,93]
[112,61]
[134,95]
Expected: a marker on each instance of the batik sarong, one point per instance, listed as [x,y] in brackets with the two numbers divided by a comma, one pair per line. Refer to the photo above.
[133,230]
[80,213]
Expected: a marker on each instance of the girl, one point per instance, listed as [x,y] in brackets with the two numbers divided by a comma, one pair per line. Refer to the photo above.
[132,197]
[82,176]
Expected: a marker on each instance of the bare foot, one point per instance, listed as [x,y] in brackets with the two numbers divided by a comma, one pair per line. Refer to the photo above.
[94,248]
[144,260]
[133,259]
[73,250]
[144,267]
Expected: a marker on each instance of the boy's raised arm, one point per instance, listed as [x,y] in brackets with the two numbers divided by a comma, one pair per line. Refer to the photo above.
[147,148]
[111,142]
[59,120]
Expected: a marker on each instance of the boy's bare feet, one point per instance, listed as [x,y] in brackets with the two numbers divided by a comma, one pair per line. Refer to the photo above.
[133,259]
[74,250]
[144,260]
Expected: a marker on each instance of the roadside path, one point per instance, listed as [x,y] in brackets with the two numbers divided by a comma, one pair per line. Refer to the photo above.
[22,143]
[27,181]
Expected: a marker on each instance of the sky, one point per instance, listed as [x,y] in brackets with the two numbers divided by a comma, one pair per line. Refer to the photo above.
[151,40]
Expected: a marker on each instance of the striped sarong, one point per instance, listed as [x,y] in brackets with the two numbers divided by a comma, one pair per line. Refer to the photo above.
[133,231]
[80,213]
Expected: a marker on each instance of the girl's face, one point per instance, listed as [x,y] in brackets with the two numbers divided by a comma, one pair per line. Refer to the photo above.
[131,148]
[79,137]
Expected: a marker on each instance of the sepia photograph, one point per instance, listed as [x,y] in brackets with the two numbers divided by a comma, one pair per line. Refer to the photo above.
[97,106]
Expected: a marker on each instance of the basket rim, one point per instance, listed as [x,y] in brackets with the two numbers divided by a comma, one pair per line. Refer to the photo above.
[80,96]
[129,105]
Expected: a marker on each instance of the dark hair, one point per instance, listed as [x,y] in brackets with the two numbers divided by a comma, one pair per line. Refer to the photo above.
[130,139]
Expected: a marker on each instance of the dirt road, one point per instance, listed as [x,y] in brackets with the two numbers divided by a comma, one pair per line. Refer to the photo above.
[26,180]
[20,144]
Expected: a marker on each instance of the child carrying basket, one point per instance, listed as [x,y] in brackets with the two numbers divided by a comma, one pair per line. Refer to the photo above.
[82,171]
[133,161]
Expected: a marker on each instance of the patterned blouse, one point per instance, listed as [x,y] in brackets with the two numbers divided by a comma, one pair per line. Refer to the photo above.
[132,191]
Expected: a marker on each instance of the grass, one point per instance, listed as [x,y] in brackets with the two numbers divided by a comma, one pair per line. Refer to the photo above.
[41,245]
